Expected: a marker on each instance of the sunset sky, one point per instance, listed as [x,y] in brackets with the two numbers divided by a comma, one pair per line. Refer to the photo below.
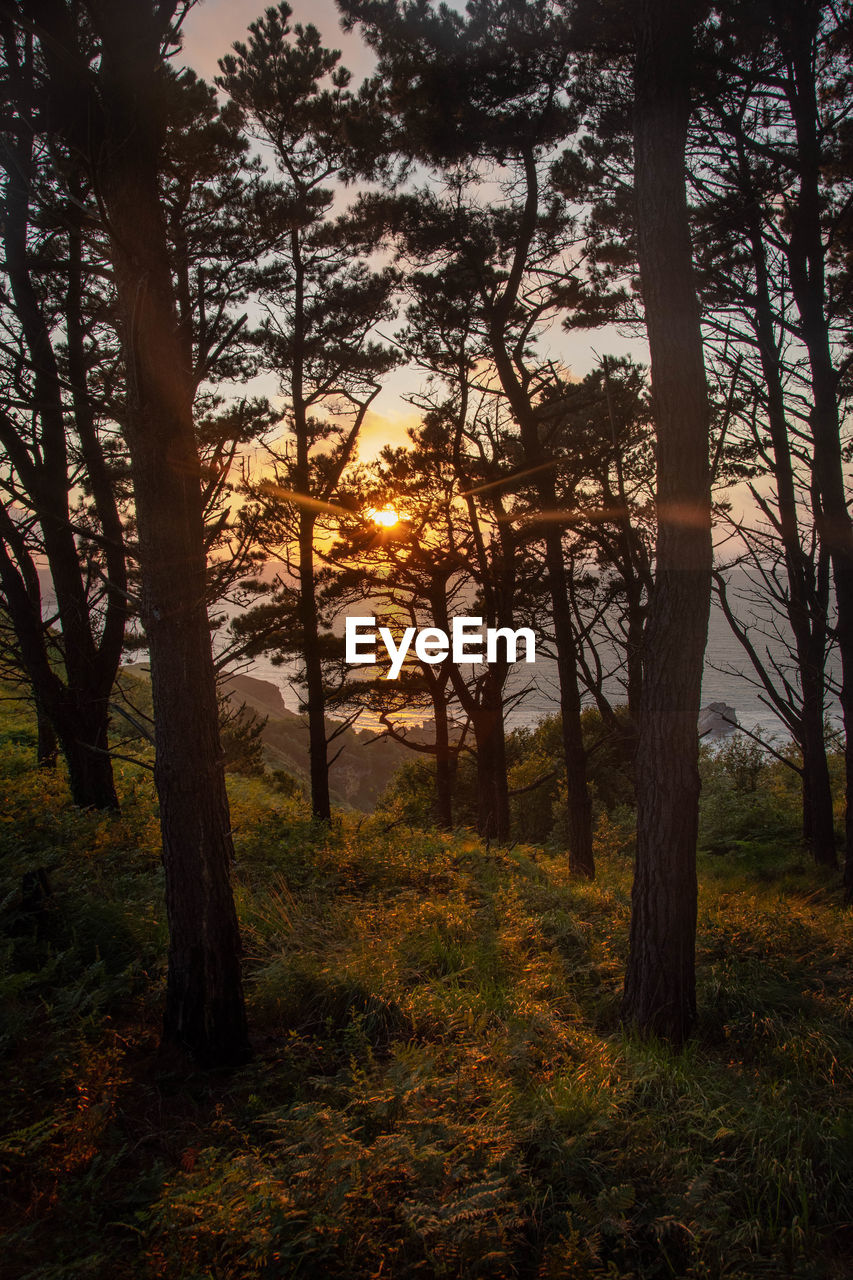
[210,29]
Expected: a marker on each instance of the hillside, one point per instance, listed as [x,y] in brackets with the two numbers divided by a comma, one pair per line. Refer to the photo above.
[359,774]
[440,1087]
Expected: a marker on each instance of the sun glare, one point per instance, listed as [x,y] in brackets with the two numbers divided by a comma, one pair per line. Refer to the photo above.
[385,518]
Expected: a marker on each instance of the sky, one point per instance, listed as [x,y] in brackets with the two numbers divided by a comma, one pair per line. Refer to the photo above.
[210,29]
[212,26]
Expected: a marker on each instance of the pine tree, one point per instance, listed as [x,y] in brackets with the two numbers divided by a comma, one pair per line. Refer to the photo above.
[321,302]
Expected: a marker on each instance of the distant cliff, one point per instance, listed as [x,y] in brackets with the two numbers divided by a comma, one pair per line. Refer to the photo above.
[360,773]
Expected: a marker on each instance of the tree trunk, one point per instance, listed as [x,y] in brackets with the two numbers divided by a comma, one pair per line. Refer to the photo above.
[75,716]
[485,711]
[204,1002]
[660,985]
[636,620]
[578,803]
[820,835]
[48,747]
[797,31]
[806,611]
[579,806]
[82,729]
[444,763]
[315,698]
[76,709]
[492,785]
[444,774]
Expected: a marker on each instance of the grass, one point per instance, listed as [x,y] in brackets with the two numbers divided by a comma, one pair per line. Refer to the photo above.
[440,1088]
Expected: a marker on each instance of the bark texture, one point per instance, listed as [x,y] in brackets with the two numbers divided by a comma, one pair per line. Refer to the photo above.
[315,699]
[660,985]
[204,1002]
[490,738]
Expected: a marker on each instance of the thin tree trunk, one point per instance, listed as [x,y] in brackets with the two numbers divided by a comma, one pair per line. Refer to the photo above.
[578,802]
[492,784]
[321,805]
[806,613]
[48,747]
[485,711]
[579,805]
[315,694]
[77,708]
[660,984]
[444,764]
[797,31]
[77,716]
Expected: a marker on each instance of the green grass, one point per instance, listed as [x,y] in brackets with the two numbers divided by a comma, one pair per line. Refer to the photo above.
[441,1087]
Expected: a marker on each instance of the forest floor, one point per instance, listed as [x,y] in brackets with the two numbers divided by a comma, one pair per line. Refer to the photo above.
[440,1085]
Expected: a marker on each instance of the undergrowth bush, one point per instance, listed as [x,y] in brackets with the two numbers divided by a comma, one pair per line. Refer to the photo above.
[750,800]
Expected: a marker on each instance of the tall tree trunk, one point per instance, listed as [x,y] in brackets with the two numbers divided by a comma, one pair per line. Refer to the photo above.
[579,805]
[315,697]
[660,983]
[806,611]
[204,1002]
[578,802]
[315,694]
[797,27]
[77,708]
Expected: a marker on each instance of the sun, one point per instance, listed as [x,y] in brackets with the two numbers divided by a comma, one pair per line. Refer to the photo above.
[385,517]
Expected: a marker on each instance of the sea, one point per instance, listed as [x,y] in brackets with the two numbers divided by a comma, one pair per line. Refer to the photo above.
[728,676]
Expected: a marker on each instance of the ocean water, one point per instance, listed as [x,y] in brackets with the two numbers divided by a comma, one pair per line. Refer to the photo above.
[727,677]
